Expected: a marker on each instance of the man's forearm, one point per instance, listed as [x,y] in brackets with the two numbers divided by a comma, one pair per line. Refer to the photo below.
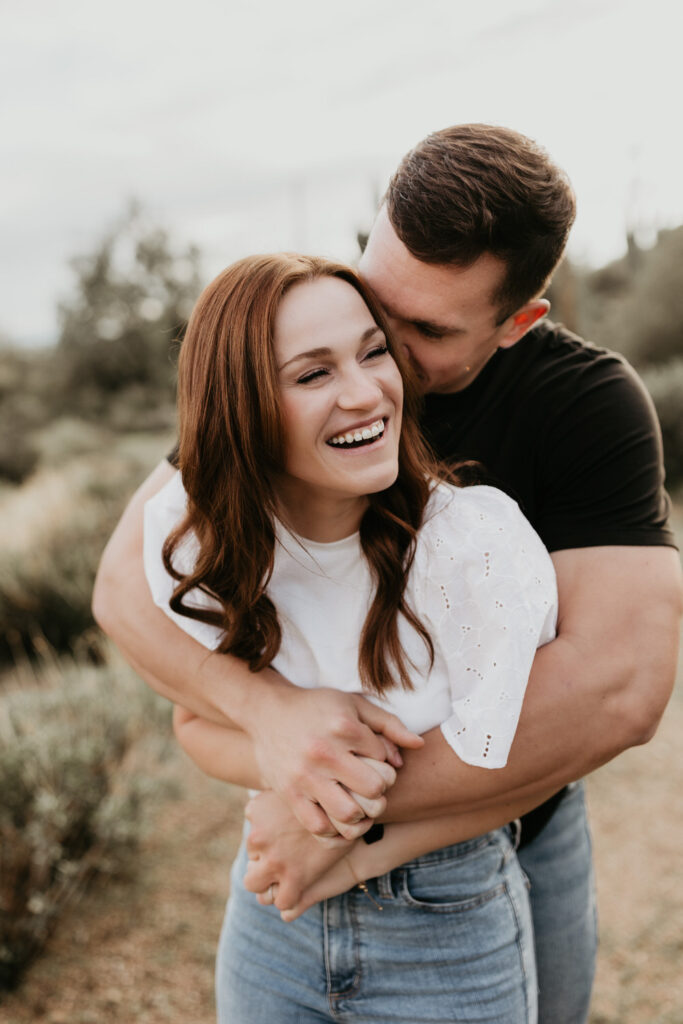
[573,720]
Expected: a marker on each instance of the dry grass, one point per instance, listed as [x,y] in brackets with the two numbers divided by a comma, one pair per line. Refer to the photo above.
[142,951]
[635,806]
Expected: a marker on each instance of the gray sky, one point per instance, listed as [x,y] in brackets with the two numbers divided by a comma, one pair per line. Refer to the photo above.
[248,125]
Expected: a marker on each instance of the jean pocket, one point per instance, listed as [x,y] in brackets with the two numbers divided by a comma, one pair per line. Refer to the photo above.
[458,884]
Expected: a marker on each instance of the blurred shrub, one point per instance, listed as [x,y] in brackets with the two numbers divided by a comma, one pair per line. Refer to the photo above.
[55,529]
[79,759]
[22,409]
[45,592]
[635,305]
[18,457]
[132,299]
[67,437]
[665,384]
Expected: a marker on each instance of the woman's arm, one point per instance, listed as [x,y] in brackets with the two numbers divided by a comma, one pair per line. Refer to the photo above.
[283,854]
[228,754]
[223,753]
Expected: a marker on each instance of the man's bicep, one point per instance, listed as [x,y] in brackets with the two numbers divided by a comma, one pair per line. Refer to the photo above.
[620,608]
[597,689]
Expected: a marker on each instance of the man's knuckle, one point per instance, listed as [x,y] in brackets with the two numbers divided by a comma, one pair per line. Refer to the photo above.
[342,724]
[348,814]
[317,751]
[375,787]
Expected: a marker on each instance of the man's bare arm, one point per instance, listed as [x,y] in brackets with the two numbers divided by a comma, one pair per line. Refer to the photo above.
[304,741]
[596,690]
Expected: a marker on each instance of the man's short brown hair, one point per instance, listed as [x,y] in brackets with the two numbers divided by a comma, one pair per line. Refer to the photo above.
[475,188]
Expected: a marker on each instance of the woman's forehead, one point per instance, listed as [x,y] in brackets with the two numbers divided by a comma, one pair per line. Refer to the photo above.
[324,312]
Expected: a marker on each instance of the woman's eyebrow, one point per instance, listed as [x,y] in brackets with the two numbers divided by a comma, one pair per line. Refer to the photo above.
[314,353]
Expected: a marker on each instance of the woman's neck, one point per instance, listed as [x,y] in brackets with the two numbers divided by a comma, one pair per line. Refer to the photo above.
[320,518]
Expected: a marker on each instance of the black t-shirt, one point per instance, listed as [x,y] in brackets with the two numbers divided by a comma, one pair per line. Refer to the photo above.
[569,431]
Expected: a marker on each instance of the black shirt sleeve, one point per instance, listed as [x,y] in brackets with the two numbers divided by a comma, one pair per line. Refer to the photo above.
[602,462]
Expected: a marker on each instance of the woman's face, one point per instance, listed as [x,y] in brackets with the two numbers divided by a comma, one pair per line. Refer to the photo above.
[341,395]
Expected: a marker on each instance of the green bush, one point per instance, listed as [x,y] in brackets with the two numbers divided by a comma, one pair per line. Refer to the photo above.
[78,763]
[22,410]
[18,457]
[665,384]
[47,575]
[120,328]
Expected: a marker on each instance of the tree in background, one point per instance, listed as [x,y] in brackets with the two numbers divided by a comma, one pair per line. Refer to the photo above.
[635,305]
[132,299]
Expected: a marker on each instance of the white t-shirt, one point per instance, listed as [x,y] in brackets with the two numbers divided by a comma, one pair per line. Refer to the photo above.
[482,583]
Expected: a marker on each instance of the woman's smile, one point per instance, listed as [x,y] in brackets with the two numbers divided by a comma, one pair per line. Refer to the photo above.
[358,436]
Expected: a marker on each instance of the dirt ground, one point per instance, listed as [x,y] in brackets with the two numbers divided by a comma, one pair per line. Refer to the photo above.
[141,951]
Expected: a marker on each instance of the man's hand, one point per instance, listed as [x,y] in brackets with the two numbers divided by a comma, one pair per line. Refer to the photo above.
[311,748]
[284,855]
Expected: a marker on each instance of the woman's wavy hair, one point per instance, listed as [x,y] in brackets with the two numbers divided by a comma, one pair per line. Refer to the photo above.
[231,450]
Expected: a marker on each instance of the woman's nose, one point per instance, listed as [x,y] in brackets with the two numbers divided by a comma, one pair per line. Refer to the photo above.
[359,390]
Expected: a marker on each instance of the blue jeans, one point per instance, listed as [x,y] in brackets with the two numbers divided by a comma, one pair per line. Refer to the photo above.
[559,867]
[453,942]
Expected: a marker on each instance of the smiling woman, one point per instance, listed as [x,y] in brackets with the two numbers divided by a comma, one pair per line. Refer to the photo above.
[310,530]
[258,406]
[341,408]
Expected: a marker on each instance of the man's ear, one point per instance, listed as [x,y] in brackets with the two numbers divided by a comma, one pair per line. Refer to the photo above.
[516,326]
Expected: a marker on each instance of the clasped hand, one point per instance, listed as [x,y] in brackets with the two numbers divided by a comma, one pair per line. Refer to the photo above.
[285,860]
[329,755]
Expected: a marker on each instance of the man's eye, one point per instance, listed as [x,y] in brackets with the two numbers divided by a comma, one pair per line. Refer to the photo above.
[379,350]
[427,332]
[307,378]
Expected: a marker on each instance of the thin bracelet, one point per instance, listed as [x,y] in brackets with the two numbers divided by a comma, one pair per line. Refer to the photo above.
[361,885]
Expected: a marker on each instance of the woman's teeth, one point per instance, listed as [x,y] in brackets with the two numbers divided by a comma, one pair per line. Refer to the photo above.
[354,437]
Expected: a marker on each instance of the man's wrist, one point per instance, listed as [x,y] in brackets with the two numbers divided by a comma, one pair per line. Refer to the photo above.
[248,693]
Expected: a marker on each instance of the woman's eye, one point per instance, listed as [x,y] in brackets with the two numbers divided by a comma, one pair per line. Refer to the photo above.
[379,350]
[313,375]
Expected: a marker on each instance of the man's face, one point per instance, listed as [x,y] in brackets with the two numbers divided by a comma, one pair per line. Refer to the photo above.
[444,316]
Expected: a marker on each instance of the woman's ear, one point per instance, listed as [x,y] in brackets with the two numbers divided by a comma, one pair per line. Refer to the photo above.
[519,323]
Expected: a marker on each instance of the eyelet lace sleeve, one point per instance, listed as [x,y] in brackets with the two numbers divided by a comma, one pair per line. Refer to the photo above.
[486,586]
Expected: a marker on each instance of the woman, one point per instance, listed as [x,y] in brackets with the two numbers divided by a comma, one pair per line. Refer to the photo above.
[310,532]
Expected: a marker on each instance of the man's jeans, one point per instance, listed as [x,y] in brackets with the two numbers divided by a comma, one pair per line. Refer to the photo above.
[559,867]
[452,942]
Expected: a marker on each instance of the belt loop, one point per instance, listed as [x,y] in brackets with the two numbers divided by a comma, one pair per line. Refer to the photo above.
[384,886]
[516,833]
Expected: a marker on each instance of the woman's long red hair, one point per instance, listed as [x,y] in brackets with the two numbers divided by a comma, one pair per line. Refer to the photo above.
[232,448]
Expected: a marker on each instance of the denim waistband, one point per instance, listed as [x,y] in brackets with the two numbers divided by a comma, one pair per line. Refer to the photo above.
[461,849]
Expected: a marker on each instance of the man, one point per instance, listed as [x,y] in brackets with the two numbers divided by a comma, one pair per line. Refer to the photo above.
[473,224]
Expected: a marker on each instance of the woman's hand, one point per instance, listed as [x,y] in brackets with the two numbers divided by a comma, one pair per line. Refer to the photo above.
[339,877]
[282,854]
